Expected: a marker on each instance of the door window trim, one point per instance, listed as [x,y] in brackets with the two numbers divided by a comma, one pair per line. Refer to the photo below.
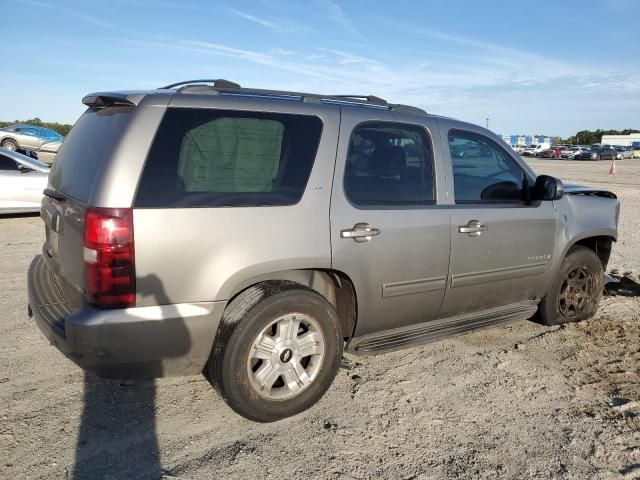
[387,206]
[488,203]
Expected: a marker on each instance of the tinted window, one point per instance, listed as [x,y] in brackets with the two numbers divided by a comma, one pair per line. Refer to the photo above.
[7,164]
[203,158]
[482,171]
[84,152]
[389,164]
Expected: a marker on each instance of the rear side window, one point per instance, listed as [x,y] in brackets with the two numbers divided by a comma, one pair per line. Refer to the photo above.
[211,158]
[83,153]
[389,165]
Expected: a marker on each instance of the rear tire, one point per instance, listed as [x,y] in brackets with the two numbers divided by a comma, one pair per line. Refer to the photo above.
[576,291]
[9,144]
[277,351]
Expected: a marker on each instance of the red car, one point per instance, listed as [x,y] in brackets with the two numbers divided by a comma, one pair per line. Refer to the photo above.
[553,152]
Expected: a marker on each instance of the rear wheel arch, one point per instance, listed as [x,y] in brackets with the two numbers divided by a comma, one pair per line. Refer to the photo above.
[335,286]
[11,140]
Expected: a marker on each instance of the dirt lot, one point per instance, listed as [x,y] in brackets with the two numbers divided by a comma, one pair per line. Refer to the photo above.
[519,401]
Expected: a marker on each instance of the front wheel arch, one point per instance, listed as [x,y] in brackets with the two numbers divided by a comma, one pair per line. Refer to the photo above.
[566,289]
[600,244]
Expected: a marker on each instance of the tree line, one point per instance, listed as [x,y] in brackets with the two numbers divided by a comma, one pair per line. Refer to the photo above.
[61,128]
[588,137]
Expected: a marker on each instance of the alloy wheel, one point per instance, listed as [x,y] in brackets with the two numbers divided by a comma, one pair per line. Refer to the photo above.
[286,357]
[576,292]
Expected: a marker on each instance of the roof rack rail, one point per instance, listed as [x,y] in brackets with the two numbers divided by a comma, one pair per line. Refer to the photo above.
[369,98]
[225,87]
[217,83]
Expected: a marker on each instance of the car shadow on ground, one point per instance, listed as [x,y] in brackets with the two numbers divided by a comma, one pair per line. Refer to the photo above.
[117,438]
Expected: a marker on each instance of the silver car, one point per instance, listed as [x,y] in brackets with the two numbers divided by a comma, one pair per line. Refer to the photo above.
[22,181]
[48,151]
[255,234]
[27,137]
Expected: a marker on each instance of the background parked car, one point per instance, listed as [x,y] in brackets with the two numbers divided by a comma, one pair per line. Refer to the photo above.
[635,153]
[27,137]
[592,154]
[22,181]
[48,152]
[623,152]
[571,152]
[552,152]
[535,150]
[608,154]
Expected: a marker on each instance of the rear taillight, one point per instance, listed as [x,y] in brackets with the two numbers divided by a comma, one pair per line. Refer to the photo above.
[109,263]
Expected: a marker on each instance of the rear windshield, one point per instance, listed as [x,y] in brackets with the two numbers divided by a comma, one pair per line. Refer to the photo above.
[211,158]
[83,153]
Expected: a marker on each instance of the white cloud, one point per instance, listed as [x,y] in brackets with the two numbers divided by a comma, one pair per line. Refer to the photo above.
[337,15]
[277,26]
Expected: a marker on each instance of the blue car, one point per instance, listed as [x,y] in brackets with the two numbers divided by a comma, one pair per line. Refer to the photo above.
[27,137]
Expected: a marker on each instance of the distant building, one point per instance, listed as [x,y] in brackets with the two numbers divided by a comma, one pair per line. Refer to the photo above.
[525,139]
[624,140]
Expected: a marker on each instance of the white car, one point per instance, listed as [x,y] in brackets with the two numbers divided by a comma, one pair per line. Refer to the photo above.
[22,181]
[536,150]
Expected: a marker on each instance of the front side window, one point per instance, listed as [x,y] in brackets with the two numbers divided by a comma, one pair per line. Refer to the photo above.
[389,165]
[482,171]
[204,157]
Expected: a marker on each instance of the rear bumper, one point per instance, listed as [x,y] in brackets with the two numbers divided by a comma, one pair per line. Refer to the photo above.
[140,342]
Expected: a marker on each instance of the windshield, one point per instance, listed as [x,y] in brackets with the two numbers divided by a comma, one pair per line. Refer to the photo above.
[51,135]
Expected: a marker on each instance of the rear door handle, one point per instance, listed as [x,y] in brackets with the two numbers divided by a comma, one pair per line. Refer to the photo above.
[361,232]
[474,228]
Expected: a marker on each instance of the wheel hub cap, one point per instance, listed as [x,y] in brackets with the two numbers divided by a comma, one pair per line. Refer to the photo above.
[576,292]
[286,357]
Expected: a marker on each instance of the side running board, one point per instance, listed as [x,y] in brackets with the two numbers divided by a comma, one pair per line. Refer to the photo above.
[412,335]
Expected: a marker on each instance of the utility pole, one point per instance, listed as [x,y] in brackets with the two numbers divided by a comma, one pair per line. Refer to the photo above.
[487,122]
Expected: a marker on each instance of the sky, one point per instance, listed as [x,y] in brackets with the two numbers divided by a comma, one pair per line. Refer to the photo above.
[543,67]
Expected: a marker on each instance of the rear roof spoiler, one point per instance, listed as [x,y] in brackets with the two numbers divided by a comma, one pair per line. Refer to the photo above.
[112,99]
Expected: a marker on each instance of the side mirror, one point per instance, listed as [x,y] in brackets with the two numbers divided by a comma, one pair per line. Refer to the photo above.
[548,188]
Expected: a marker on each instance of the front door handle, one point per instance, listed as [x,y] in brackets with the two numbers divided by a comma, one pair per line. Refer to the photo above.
[361,232]
[474,228]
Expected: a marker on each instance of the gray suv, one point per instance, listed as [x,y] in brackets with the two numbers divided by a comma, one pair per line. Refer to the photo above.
[253,235]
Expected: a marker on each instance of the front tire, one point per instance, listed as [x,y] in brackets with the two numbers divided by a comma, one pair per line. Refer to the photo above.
[575,293]
[277,351]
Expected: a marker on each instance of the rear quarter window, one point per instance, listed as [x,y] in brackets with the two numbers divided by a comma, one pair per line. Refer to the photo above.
[214,158]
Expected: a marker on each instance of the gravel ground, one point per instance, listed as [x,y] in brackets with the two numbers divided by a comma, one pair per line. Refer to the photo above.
[517,401]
